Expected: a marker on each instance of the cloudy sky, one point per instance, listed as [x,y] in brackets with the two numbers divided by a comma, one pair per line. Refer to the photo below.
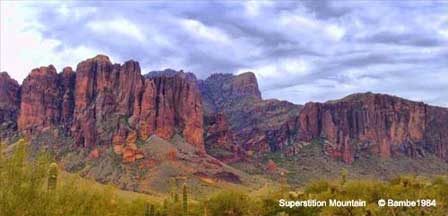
[300,50]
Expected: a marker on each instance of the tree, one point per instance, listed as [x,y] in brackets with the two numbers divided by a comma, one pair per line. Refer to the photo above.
[229,203]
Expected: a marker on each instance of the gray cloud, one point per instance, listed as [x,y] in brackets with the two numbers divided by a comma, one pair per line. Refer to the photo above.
[409,39]
[300,50]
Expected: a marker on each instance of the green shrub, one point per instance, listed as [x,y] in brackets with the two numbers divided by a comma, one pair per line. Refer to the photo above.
[229,203]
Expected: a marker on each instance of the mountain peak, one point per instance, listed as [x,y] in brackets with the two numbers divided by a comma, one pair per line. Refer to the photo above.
[44,70]
[101,57]
[365,96]
[168,72]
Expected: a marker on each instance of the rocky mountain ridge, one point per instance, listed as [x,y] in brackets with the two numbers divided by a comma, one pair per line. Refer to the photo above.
[102,104]
[105,104]
[379,124]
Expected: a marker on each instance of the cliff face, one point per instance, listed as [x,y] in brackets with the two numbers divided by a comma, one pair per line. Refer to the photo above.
[106,104]
[40,101]
[235,106]
[9,104]
[379,124]
[168,103]
[104,98]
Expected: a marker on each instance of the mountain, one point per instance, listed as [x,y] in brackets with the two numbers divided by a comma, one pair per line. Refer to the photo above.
[104,104]
[109,122]
[9,105]
[236,115]
[379,124]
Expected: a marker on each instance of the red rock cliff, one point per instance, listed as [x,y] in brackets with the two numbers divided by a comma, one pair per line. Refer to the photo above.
[9,104]
[105,103]
[104,97]
[380,124]
[118,96]
[167,104]
[39,108]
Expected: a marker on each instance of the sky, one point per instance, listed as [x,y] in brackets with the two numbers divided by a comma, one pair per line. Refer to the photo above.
[300,51]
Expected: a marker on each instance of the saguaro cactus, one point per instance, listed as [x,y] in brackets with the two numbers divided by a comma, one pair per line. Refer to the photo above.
[152,211]
[174,194]
[185,199]
[344,173]
[283,183]
[165,207]
[1,154]
[52,176]
[147,213]
[149,210]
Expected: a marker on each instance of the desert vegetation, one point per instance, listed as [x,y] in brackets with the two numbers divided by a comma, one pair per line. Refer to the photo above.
[33,184]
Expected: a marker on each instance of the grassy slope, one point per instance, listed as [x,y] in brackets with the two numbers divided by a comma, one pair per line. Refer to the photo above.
[67,178]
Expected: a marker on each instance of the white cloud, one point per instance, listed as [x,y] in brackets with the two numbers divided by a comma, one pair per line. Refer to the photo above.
[302,25]
[270,74]
[287,66]
[254,7]
[70,11]
[117,26]
[23,46]
[197,28]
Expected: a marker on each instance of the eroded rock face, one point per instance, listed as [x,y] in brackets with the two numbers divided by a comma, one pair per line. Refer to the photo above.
[170,103]
[67,95]
[9,104]
[222,91]
[40,101]
[256,125]
[104,98]
[218,131]
[106,104]
[379,124]
[112,97]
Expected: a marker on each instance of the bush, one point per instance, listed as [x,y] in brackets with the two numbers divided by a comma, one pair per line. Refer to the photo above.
[229,203]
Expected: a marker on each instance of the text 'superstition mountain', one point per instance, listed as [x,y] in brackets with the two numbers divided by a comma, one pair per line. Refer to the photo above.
[116,125]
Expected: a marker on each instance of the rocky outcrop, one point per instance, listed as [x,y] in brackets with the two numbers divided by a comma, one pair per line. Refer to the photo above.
[9,104]
[112,97]
[104,104]
[220,140]
[47,100]
[256,125]
[378,124]
[104,98]
[67,95]
[222,91]
[170,103]
[40,101]
[218,132]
